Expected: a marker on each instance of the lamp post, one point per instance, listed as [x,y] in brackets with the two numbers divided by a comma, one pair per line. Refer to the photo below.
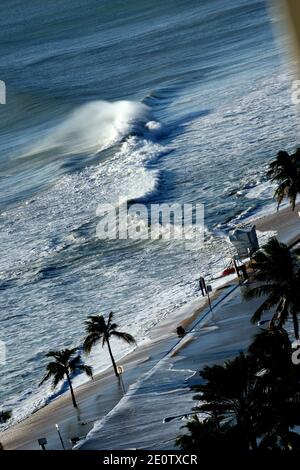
[120,372]
[60,438]
[205,289]
[208,290]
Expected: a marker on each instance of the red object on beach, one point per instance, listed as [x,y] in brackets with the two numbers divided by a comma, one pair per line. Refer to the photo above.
[227,271]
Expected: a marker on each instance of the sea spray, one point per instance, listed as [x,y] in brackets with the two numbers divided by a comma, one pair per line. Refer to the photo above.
[95,126]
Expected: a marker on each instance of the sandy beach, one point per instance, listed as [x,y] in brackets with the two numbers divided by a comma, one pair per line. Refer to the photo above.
[96,398]
[285,222]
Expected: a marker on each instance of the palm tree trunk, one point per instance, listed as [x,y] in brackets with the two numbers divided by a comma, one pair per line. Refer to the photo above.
[296,325]
[215,417]
[245,421]
[252,438]
[72,391]
[112,358]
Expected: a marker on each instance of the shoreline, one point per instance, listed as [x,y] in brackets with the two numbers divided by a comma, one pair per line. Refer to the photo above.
[96,398]
[135,363]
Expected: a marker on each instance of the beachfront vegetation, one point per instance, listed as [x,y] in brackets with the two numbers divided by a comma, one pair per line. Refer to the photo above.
[285,171]
[278,279]
[250,402]
[65,363]
[99,330]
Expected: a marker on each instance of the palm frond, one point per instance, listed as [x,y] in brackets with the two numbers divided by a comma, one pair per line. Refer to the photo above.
[264,307]
[74,363]
[55,371]
[58,378]
[112,327]
[87,369]
[90,341]
[46,378]
[110,319]
[285,171]
[259,291]
[53,354]
[124,336]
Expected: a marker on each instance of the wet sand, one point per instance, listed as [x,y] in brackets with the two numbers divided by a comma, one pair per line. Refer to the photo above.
[285,222]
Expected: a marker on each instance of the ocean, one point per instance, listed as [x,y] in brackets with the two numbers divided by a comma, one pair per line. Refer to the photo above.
[154,102]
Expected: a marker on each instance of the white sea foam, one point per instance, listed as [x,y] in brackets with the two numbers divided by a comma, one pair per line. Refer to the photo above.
[95,126]
[73,201]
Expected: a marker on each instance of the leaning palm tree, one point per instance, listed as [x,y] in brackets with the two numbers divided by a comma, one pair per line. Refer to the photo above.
[99,330]
[278,280]
[65,363]
[285,170]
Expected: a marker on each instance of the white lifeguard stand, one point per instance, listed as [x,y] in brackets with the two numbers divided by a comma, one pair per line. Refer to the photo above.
[244,239]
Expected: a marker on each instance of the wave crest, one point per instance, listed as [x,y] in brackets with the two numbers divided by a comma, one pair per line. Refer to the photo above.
[96,126]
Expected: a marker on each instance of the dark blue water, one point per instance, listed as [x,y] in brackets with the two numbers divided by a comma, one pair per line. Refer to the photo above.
[175,101]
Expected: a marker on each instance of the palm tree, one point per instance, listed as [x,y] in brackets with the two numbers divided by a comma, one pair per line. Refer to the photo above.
[229,395]
[205,436]
[285,170]
[279,389]
[278,279]
[252,401]
[65,363]
[271,349]
[100,330]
